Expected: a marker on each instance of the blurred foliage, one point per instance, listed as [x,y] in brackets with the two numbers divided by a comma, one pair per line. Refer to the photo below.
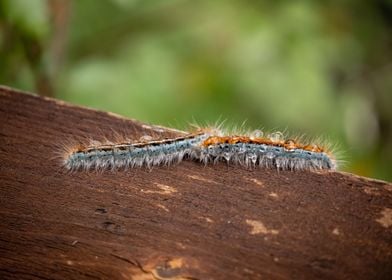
[319,68]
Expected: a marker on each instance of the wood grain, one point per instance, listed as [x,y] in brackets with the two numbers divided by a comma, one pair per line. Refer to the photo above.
[182,222]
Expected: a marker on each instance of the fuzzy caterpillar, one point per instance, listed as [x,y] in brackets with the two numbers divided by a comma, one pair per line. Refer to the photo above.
[131,155]
[249,151]
[207,146]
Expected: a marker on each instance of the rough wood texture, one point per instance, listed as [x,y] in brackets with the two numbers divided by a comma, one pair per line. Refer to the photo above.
[183,222]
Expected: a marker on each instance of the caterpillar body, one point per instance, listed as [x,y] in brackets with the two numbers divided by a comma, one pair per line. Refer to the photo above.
[131,155]
[247,151]
[206,146]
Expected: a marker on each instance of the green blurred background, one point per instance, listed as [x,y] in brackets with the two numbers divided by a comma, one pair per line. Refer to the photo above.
[320,68]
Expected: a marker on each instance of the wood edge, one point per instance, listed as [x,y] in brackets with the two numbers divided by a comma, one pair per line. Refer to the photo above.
[6,90]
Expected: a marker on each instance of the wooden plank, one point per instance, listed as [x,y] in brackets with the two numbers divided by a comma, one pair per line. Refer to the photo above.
[182,222]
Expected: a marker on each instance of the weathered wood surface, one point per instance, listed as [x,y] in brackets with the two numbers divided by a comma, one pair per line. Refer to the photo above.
[183,222]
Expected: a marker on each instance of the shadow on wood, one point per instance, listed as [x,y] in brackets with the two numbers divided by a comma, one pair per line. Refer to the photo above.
[187,221]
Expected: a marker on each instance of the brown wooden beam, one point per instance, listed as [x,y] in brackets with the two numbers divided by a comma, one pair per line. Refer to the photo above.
[187,221]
